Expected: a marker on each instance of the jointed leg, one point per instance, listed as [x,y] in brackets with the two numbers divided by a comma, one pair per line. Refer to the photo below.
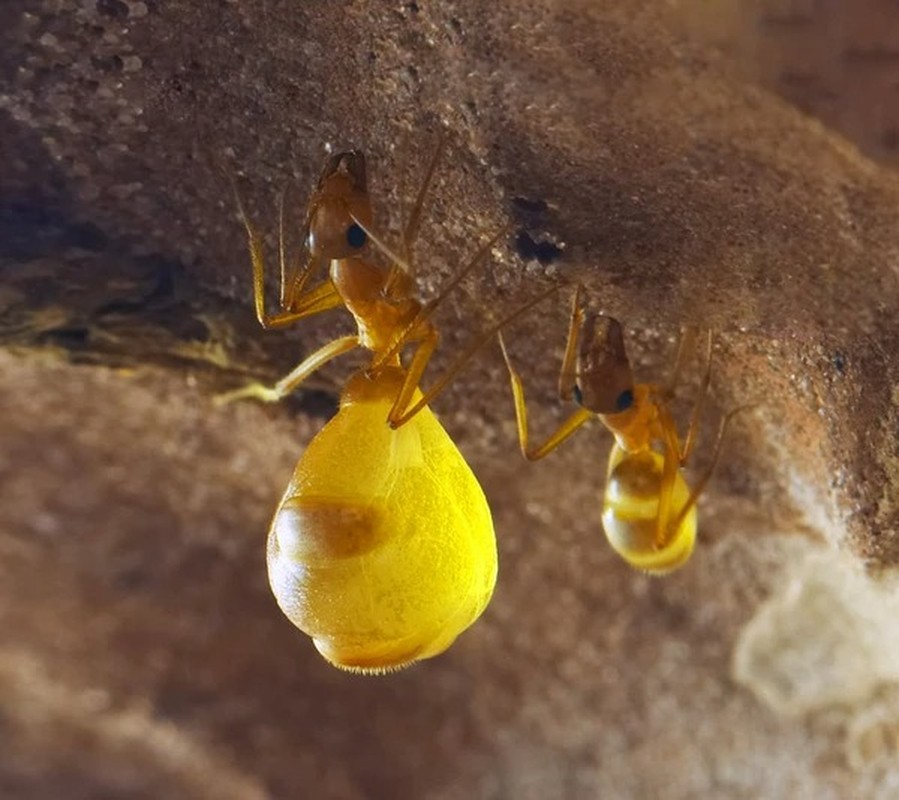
[568,427]
[416,369]
[716,454]
[398,263]
[411,229]
[294,278]
[288,277]
[321,298]
[685,345]
[690,439]
[670,472]
[428,309]
[401,414]
[406,266]
[567,375]
[287,384]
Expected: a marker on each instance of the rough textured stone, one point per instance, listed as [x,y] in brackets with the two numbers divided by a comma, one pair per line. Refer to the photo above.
[636,147]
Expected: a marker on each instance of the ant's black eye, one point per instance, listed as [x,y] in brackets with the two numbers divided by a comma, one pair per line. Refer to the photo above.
[355,236]
[625,400]
[578,395]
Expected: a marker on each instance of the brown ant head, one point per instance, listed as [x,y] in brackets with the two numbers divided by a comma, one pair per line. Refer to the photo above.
[340,209]
[604,383]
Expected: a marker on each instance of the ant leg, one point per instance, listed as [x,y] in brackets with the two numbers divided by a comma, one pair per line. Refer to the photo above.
[690,439]
[411,230]
[288,281]
[402,412]
[402,171]
[321,298]
[568,372]
[568,427]
[287,384]
[670,473]
[406,266]
[566,385]
[428,309]
[417,366]
[395,260]
[685,345]
[294,278]
[716,454]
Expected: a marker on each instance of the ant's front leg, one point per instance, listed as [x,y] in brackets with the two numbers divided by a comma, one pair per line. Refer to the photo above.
[567,383]
[295,303]
[565,429]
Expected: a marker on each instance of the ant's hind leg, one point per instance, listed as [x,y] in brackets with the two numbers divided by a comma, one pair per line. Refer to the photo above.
[287,384]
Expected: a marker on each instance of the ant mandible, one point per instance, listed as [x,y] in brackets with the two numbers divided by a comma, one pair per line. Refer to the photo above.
[382,548]
[649,511]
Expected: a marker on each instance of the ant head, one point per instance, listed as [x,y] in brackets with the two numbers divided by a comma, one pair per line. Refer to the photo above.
[604,382]
[340,199]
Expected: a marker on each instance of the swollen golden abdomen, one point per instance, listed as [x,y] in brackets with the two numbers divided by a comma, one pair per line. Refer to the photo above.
[382,549]
[631,509]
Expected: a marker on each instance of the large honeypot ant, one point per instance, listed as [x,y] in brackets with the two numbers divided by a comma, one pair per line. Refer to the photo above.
[382,548]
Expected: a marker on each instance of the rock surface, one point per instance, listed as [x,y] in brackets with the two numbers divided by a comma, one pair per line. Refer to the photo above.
[637,147]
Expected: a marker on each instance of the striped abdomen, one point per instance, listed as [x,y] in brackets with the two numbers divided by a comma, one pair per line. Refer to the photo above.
[631,508]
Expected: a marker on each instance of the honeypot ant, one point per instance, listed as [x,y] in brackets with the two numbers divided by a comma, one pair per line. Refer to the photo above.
[649,511]
[382,548]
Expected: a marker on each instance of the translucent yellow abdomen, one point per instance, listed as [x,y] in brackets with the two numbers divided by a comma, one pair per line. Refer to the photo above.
[382,548]
[630,513]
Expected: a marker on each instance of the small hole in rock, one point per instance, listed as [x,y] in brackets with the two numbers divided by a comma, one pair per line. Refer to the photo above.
[529,206]
[544,251]
[113,8]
